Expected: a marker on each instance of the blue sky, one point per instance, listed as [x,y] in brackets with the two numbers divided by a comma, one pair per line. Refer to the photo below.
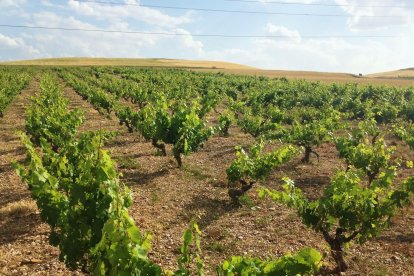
[295,51]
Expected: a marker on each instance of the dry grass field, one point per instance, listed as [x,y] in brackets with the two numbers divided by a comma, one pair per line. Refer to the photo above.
[402,73]
[139,62]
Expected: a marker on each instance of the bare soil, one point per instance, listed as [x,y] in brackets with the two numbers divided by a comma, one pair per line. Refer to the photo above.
[167,198]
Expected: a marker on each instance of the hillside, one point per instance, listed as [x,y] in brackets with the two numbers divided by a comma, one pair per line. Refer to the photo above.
[144,62]
[398,78]
[399,74]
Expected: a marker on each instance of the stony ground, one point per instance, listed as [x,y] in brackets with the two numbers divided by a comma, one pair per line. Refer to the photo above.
[167,198]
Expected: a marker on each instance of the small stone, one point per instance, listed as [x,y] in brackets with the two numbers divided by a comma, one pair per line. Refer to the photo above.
[30,261]
[395,258]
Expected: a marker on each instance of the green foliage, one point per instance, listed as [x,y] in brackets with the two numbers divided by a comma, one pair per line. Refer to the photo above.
[225,121]
[348,209]
[181,127]
[366,129]
[310,128]
[78,192]
[191,237]
[405,132]
[257,165]
[306,261]
[102,101]
[365,149]
[49,118]
[11,83]
[256,120]
[256,125]
[127,117]
[171,117]
[69,191]
[122,249]
[247,169]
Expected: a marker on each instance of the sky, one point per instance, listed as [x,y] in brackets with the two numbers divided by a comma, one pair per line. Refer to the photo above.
[363,36]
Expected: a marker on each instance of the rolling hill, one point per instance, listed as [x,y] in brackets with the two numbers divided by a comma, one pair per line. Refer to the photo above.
[398,74]
[402,77]
[141,62]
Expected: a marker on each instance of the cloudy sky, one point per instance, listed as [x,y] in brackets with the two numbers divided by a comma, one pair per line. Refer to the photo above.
[320,35]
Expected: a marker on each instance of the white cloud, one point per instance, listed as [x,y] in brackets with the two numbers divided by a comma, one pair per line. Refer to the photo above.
[364,16]
[16,45]
[292,1]
[12,9]
[189,42]
[116,12]
[328,54]
[76,43]
[59,43]
[47,3]
[51,19]
[7,41]
[12,3]
[292,35]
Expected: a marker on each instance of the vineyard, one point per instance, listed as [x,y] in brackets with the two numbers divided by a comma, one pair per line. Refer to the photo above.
[137,171]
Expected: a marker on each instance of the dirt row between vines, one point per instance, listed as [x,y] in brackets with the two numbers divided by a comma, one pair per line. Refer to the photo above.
[24,246]
[167,198]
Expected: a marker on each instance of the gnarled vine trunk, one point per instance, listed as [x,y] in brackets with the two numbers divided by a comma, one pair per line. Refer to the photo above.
[177,157]
[308,152]
[161,147]
[338,255]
